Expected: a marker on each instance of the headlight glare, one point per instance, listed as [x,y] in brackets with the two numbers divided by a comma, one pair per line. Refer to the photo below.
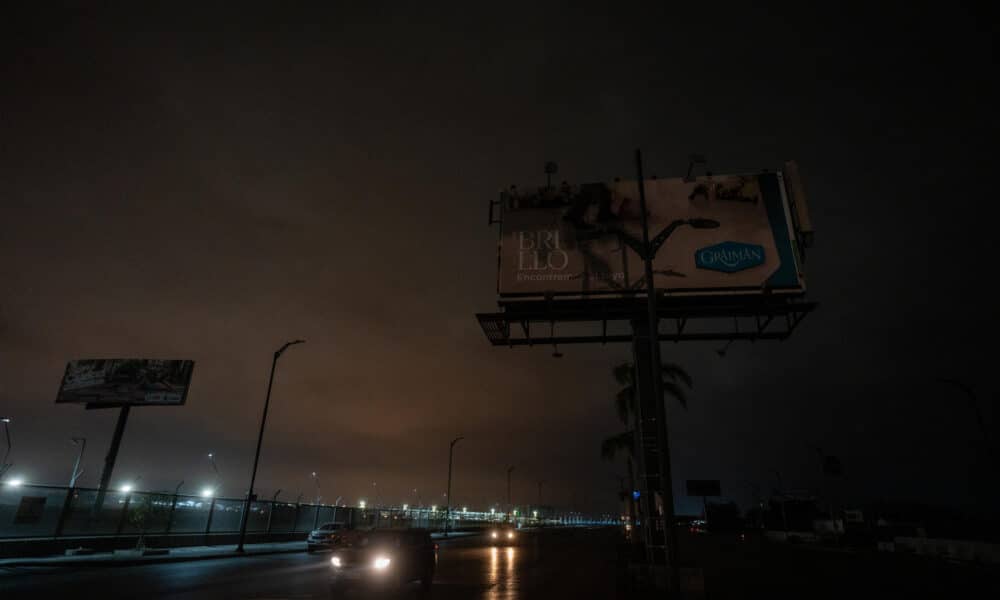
[335,561]
[382,563]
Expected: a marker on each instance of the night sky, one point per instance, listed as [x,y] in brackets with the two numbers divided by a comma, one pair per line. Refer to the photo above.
[209,183]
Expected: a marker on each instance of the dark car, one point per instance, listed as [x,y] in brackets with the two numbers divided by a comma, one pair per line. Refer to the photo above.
[383,559]
[504,535]
[325,537]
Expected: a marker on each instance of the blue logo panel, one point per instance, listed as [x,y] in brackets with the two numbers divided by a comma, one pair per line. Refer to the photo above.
[729,257]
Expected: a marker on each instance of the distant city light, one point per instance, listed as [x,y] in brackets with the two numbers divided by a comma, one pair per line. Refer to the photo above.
[406,506]
[465,509]
[493,511]
[434,508]
[361,504]
[535,513]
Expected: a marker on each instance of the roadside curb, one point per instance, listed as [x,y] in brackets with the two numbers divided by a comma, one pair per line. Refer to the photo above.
[133,562]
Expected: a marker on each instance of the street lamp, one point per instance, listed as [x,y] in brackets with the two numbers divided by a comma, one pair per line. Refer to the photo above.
[207,492]
[447,516]
[975,409]
[82,442]
[509,505]
[215,467]
[4,465]
[260,438]
[318,491]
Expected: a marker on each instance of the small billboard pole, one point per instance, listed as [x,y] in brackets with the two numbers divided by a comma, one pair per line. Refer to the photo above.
[109,460]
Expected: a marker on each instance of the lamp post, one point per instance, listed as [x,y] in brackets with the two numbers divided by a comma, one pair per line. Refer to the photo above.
[4,465]
[978,414]
[82,443]
[260,438]
[447,514]
[646,249]
[318,490]
[215,468]
[509,505]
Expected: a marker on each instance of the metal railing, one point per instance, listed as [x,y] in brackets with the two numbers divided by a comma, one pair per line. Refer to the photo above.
[36,511]
[53,512]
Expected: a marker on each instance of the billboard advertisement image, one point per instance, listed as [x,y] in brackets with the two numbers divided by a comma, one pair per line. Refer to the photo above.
[126,381]
[718,234]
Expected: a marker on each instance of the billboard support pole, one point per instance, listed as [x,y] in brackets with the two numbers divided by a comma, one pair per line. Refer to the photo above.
[654,393]
[112,456]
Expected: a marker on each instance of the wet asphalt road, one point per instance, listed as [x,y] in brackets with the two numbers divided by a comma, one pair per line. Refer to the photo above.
[564,563]
[576,563]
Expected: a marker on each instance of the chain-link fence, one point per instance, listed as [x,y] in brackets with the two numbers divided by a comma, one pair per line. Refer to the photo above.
[36,511]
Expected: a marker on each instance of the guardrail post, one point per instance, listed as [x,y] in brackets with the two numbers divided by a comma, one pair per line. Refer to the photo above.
[316,517]
[64,513]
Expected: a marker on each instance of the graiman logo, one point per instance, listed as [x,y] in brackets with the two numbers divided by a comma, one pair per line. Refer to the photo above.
[729,257]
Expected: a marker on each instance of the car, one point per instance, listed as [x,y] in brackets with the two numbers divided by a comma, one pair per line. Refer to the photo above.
[505,535]
[384,559]
[325,537]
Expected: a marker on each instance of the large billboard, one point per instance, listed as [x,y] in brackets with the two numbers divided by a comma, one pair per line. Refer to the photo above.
[126,381]
[719,234]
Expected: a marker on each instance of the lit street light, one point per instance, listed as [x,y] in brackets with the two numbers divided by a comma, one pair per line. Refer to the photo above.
[318,491]
[260,439]
[207,492]
[361,504]
[14,482]
[215,467]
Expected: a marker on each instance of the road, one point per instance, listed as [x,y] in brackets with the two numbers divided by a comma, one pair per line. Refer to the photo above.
[578,562]
[567,563]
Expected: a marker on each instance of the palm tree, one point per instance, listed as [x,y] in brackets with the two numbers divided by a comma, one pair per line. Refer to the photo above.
[673,383]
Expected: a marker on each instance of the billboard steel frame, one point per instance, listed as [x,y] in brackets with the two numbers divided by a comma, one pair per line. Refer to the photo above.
[771,315]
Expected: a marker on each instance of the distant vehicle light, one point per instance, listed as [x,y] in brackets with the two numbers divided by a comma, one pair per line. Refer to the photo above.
[335,561]
[495,535]
[510,535]
[382,563]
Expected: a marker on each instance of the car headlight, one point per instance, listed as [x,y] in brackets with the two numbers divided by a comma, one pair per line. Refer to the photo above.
[382,563]
[335,561]
[510,535]
[494,534]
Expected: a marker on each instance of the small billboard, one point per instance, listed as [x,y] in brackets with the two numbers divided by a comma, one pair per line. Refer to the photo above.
[126,382]
[718,234]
